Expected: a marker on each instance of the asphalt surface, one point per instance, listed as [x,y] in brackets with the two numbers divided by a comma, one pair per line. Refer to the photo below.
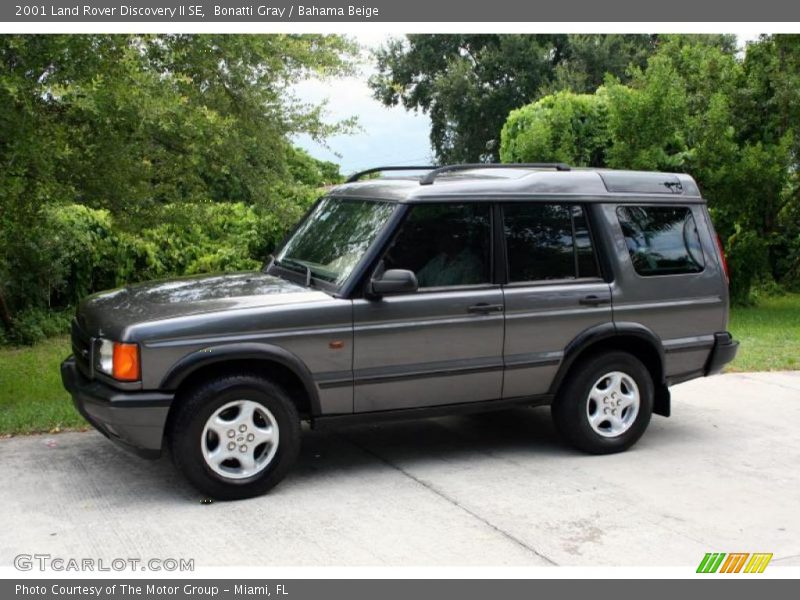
[722,474]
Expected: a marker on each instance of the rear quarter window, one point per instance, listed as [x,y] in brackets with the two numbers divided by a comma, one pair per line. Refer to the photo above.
[661,240]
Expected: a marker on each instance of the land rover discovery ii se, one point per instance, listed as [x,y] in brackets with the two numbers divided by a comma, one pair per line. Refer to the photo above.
[461,289]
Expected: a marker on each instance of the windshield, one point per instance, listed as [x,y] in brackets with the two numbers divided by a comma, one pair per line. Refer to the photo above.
[333,238]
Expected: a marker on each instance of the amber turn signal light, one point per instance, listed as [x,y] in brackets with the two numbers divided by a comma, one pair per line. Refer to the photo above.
[126,362]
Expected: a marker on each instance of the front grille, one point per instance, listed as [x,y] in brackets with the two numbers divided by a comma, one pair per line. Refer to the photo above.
[82,349]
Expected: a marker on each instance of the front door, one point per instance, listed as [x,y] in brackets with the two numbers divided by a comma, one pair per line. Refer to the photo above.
[444,343]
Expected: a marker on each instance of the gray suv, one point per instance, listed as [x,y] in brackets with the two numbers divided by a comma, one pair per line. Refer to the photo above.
[466,288]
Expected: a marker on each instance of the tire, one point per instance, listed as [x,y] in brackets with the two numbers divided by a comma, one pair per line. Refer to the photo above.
[234,437]
[589,411]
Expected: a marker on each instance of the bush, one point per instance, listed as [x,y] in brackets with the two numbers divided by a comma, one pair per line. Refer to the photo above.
[748,259]
[564,127]
[35,325]
[79,245]
[76,250]
[193,238]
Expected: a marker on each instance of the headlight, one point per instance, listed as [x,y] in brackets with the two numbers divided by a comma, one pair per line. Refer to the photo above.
[105,357]
[120,361]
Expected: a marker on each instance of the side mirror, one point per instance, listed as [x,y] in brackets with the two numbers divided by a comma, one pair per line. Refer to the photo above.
[394,281]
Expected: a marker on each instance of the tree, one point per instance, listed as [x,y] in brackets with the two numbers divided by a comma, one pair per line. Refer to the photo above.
[133,123]
[588,58]
[468,84]
[697,108]
[647,120]
[768,110]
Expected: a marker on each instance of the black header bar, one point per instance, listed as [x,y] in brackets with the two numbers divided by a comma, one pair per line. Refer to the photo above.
[438,11]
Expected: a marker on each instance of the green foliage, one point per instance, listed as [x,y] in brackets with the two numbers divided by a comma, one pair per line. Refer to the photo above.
[748,261]
[588,58]
[125,121]
[310,171]
[698,108]
[35,325]
[82,250]
[646,119]
[468,83]
[77,250]
[124,157]
[564,127]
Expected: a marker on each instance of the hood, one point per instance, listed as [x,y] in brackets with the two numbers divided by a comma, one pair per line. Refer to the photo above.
[109,313]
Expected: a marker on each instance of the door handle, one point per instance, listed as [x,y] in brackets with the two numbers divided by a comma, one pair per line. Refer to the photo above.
[484,309]
[594,300]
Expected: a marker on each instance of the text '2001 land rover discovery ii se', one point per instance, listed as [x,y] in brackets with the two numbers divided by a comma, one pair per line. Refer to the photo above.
[469,288]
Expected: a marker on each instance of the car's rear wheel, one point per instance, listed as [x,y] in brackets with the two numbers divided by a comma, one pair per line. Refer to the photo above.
[606,403]
[235,437]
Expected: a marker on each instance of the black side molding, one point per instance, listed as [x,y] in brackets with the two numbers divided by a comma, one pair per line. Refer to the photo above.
[425,412]
[608,332]
[605,332]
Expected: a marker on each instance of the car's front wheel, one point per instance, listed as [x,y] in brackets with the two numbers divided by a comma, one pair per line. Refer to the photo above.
[606,404]
[235,437]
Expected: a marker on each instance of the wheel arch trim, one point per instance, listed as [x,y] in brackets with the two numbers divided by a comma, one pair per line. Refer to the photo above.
[603,332]
[218,355]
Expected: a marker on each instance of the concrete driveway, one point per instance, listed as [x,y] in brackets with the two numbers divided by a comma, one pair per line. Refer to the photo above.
[720,475]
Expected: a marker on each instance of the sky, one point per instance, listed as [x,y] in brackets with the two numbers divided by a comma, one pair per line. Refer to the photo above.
[388,136]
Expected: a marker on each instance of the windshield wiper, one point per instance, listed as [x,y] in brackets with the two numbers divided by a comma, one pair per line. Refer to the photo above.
[288,262]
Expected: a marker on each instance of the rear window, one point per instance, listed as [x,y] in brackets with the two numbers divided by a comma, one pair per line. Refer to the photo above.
[661,240]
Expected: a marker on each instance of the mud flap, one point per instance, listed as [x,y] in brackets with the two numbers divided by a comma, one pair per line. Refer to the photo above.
[662,401]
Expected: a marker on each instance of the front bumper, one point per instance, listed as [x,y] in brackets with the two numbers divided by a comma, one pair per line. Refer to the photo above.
[134,420]
[723,352]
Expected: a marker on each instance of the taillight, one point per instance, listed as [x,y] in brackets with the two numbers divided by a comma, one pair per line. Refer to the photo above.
[126,362]
[723,259]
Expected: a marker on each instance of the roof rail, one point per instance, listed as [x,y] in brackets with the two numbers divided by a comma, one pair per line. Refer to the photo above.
[431,177]
[360,174]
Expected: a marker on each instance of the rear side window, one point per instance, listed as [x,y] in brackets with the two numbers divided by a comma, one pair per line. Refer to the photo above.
[547,241]
[661,240]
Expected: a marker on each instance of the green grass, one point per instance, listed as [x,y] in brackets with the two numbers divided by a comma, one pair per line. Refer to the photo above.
[769,335]
[32,399]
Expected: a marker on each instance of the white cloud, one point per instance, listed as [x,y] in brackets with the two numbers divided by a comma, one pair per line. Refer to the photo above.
[386,136]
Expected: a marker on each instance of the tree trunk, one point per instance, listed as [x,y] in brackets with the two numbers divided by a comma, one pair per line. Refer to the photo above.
[5,316]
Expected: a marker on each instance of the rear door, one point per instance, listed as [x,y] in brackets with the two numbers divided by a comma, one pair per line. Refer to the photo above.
[554,290]
[444,343]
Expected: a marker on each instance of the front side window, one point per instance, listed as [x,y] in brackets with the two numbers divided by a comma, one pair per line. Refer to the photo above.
[333,238]
[547,242]
[661,240]
[444,245]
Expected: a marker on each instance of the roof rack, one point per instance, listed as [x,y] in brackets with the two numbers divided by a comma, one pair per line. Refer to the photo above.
[360,174]
[431,177]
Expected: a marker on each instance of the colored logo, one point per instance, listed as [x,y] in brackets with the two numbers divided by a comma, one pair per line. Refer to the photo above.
[734,562]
